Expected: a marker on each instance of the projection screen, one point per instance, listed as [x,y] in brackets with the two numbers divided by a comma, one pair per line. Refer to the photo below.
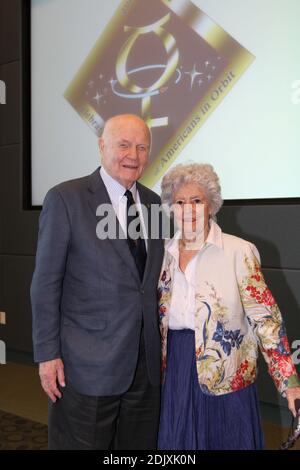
[217,81]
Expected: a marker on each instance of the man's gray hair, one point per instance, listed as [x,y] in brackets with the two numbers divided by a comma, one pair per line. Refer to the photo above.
[201,174]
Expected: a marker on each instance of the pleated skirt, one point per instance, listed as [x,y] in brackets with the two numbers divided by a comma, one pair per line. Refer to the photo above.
[192,420]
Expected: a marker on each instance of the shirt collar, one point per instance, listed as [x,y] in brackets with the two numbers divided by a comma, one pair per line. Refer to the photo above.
[214,238]
[215,235]
[115,190]
[172,246]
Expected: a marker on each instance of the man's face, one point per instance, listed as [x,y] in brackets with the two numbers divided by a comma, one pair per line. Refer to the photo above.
[124,147]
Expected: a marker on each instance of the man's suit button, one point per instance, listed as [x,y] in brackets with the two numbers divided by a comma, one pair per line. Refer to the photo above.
[142,291]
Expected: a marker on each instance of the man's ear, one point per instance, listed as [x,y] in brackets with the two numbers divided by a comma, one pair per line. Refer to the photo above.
[100,144]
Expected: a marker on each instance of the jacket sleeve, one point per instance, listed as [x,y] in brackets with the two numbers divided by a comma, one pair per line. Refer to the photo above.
[46,287]
[264,317]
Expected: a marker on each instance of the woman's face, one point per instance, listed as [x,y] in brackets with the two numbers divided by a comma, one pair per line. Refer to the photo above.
[191,210]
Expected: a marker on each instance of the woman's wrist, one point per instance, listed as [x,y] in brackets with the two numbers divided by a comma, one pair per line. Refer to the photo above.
[293,381]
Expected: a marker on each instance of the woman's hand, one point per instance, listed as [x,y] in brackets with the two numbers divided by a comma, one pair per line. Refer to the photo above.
[293,399]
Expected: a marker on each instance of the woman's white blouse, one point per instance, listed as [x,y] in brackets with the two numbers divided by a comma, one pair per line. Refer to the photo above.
[183,303]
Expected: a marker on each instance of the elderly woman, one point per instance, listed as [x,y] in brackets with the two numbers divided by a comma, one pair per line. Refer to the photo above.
[215,311]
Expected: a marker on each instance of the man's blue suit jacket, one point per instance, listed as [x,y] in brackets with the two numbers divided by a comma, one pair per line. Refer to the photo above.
[88,301]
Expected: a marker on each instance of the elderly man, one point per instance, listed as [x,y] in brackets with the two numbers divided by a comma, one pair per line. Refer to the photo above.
[94,303]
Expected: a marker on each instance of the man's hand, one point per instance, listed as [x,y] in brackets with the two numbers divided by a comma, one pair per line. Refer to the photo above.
[52,372]
[293,398]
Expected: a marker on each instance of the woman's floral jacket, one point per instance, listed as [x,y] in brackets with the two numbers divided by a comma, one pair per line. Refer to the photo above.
[235,315]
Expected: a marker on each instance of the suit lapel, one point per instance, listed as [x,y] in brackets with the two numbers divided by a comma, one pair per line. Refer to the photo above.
[98,195]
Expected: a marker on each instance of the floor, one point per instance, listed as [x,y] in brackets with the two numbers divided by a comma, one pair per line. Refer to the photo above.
[21,394]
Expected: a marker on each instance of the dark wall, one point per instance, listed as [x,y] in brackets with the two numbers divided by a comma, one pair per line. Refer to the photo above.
[275,229]
[18,228]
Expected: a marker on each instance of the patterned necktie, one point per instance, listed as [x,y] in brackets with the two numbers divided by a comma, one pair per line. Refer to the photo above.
[136,246]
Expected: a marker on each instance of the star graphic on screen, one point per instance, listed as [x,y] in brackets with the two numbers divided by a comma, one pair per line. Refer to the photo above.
[112,82]
[207,63]
[97,98]
[193,74]
[91,83]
